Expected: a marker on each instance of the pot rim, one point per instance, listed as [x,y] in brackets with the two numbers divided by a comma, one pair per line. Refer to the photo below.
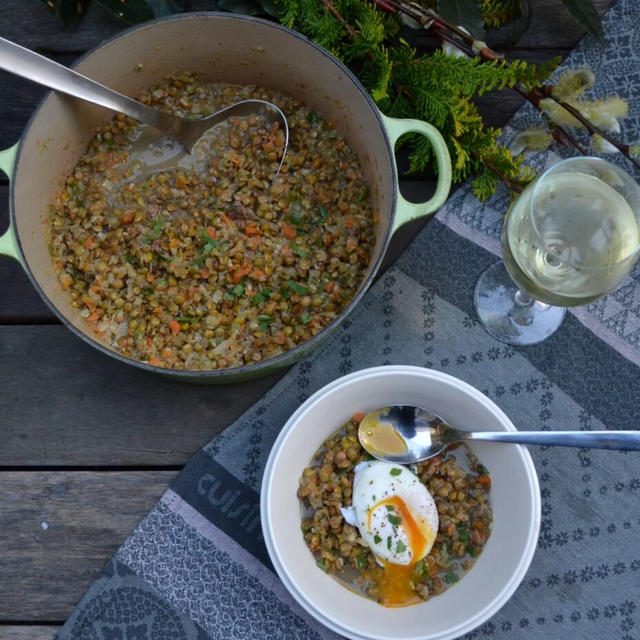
[276,362]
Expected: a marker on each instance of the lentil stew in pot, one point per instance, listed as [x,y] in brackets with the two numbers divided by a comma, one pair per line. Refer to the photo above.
[212,262]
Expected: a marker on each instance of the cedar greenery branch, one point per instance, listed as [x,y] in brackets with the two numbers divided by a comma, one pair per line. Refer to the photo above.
[438,87]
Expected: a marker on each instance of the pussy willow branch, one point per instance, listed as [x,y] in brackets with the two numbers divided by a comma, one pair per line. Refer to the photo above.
[466,43]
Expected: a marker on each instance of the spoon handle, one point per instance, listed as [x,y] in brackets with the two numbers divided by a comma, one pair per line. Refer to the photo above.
[622,440]
[32,66]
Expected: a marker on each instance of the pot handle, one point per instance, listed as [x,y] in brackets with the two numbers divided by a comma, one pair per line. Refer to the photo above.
[8,244]
[405,210]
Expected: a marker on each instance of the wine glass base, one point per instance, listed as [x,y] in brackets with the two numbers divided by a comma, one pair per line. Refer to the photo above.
[510,316]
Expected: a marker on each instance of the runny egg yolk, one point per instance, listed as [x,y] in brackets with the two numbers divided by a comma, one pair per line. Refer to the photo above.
[395,584]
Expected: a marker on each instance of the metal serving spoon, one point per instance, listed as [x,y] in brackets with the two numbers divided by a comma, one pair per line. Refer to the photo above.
[32,66]
[405,434]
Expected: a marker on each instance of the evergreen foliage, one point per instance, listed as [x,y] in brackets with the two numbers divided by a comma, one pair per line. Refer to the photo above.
[496,12]
[437,88]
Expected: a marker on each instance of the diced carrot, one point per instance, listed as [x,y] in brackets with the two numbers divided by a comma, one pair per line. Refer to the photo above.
[156,362]
[478,525]
[173,243]
[280,338]
[288,231]
[174,325]
[89,243]
[204,274]
[286,247]
[350,222]
[258,274]
[486,480]
[211,232]
[351,244]
[450,529]
[167,353]
[226,219]
[327,239]
[127,217]
[241,272]
[94,317]
[357,417]
[330,287]
[150,278]
[252,230]
[149,341]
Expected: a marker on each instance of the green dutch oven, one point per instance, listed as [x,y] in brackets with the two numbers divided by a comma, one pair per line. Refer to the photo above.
[223,48]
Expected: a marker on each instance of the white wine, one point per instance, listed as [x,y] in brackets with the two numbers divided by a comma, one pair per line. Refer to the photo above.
[579,242]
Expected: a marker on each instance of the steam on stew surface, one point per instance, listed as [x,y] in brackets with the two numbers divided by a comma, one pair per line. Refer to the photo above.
[206,261]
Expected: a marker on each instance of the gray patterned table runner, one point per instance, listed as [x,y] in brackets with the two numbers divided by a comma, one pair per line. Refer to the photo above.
[196,566]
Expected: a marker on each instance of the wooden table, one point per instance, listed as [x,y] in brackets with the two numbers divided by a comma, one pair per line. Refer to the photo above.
[88,443]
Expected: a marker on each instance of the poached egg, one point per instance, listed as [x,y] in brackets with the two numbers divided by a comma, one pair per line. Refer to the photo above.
[398,519]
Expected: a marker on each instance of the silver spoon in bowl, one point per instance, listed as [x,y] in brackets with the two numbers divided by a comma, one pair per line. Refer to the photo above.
[32,66]
[405,434]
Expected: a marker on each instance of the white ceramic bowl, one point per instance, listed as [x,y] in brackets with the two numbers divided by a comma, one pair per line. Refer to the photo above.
[515,500]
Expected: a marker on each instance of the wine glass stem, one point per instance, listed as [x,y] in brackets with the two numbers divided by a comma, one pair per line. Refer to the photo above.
[523,299]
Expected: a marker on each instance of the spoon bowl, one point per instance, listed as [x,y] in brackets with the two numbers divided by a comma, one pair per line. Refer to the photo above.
[404,435]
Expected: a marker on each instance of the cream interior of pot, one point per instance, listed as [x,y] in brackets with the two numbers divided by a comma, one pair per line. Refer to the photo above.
[222,48]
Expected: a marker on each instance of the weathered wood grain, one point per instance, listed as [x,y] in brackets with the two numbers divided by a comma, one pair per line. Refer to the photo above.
[57,531]
[65,403]
[28,632]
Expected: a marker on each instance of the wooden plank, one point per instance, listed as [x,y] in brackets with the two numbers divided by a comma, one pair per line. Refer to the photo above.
[65,403]
[28,632]
[58,531]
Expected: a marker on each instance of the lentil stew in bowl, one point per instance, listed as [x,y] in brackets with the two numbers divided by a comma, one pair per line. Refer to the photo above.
[213,263]
[460,488]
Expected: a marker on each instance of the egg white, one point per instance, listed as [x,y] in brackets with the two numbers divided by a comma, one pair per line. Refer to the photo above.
[376,482]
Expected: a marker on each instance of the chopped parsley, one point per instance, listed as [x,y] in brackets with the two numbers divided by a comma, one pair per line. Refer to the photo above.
[238,290]
[390,507]
[322,564]
[388,542]
[362,560]
[377,539]
[463,533]
[261,297]
[264,321]
[157,229]
[303,253]
[394,519]
[305,317]
[395,471]
[400,547]
[297,287]
[451,577]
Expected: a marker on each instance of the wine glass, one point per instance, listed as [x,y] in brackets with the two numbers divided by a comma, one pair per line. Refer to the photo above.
[570,238]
